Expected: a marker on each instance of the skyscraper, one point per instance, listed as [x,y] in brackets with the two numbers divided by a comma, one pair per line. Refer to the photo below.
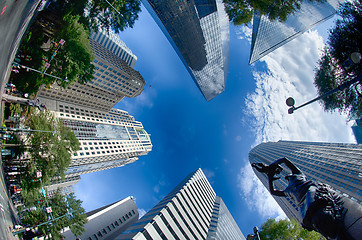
[270,35]
[336,164]
[107,140]
[190,211]
[114,76]
[198,30]
[107,222]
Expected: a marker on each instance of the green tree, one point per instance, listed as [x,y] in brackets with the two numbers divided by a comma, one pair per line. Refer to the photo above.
[73,60]
[285,229]
[344,39]
[106,14]
[242,11]
[29,81]
[116,15]
[61,206]
[51,151]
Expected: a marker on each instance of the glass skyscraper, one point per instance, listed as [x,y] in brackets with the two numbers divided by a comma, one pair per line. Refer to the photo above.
[190,211]
[270,35]
[198,30]
[336,164]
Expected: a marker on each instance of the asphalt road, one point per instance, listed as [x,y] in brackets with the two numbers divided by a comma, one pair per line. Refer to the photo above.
[15,16]
[14,19]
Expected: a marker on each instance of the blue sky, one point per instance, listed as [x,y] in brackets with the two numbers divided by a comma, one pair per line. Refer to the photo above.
[189,133]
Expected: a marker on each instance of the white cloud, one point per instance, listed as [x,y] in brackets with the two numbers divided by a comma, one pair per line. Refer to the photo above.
[244,32]
[141,212]
[209,175]
[257,196]
[160,183]
[156,188]
[238,138]
[145,99]
[290,72]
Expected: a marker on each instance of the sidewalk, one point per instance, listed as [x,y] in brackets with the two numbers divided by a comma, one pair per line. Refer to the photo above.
[7,210]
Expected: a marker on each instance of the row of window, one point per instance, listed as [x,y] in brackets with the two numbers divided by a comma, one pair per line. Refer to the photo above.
[112,226]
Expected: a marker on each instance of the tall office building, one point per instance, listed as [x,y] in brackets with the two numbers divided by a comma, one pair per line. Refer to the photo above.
[107,140]
[270,35]
[114,76]
[336,164]
[107,222]
[198,30]
[190,211]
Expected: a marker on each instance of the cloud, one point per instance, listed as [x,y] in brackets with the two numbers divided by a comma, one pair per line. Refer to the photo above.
[290,73]
[209,175]
[257,196]
[144,100]
[244,32]
[141,212]
[156,188]
[238,138]
[160,183]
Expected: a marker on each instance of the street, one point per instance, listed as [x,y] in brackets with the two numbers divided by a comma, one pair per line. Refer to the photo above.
[13,23]
[15,17]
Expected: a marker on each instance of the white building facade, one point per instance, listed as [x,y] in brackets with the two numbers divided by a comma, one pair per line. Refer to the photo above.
[190,211]
[107,222]
[107,140]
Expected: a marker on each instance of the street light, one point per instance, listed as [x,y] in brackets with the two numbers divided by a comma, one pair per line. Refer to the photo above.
[47,74]
[355,58]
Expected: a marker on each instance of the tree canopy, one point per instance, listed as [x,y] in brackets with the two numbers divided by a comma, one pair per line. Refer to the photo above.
[344,39]
[71,63]
[110,14]
[242,11]
[116,15]
[73,60]
[285,229]
[50,151]
[61,206]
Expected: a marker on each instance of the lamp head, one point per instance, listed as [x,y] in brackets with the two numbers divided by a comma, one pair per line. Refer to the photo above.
[290,101]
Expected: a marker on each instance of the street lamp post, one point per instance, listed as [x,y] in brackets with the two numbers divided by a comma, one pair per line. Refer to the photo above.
[24,130]
[355,58]
[290,101]
[35,70]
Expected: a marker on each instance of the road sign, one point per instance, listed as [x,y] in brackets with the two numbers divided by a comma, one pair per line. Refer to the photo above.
[38,174]
[49,209]
[62,41]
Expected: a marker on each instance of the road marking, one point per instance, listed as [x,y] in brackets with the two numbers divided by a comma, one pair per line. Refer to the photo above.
[4,8]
